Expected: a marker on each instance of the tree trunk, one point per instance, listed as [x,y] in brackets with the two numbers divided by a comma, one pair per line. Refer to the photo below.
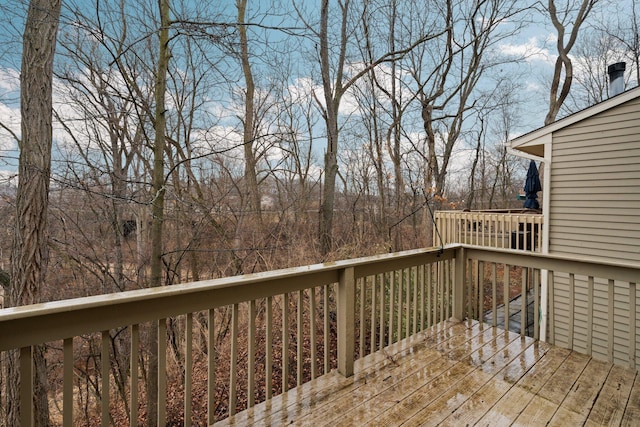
[250,202]
[154,417]
[250,177]
[30,246]
[332,95]
[474,167]
[334,88]
[558,93]
[329,189]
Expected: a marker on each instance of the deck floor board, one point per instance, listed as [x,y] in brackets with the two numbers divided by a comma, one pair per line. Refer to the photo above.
[632,410]
[618,388]
[399,387]
[512,403]
[488,396]
[465,373]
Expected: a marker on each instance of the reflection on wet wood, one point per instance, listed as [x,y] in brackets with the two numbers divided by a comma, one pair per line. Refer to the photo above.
[463,373]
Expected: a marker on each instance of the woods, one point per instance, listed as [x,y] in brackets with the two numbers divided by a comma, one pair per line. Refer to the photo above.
[174,141]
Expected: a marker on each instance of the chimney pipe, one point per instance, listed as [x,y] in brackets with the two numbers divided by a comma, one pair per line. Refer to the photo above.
[616,78]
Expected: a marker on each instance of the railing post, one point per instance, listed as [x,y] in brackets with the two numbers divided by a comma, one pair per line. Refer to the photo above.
[458,284]
[346,321]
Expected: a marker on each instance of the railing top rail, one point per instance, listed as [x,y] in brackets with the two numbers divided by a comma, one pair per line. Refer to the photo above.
[490,212]
[585,266]
[25,325]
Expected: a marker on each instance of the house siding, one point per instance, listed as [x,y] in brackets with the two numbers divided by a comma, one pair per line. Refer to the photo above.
[595,186]
[594,212]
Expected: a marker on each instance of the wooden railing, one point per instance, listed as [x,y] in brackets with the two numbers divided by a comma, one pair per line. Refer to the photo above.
[494,229]
[267,332]
[591,307]
[258,335]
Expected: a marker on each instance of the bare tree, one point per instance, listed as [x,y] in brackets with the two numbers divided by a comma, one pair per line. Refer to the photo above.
[30,254]
[336,81]
[591,56]
[447,83]
[386,132]
[157,204]
[572,15]
[249,136]
[627,33]
[614,38]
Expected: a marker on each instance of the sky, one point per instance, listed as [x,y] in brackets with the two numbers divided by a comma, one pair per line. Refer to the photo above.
[536,43]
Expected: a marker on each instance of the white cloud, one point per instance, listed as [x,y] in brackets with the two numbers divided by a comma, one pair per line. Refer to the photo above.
[9,117]
[8,177]
[9,107]
[533,50]
[9,80]
[302,89]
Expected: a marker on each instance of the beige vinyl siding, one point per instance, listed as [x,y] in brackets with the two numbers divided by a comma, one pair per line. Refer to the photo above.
[595,186]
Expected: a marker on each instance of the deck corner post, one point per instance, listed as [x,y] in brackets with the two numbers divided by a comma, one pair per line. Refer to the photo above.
[346,321]
[458,284]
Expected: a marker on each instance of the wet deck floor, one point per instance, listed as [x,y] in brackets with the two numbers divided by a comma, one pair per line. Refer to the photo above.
[461,374]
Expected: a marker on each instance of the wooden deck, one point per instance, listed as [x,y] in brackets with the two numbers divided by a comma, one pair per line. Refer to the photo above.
[461,374]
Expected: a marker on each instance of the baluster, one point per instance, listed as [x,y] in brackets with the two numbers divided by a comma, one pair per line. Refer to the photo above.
[392,286]
[400,303]
[133,388]
[251,355]
[269,348]
[188,368]
[421,272]
[162,372]
[494,294]
[372,320]
[414,274]
[104,375]
[406,273]
[380,280]
[480,279]
[211,368]
[572,302]
[285,343]
[505,290]
[523,302]
[632,325]
[233,373]
[448,266]
[299,339]
[312,322]
[590,281]
[536,304]
[327,329]
[361,330]
[441,289]
[611,312]
[67,394]
[26,386]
